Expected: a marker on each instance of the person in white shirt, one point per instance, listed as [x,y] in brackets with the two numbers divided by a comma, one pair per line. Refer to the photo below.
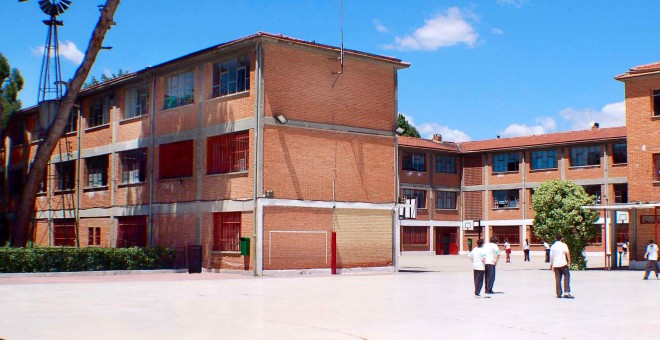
[478,258]
[526,250]
[560,261]
[547,251]
[651,257]
[492,256]
[507,250]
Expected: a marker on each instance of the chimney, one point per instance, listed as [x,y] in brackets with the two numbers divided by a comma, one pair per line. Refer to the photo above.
[594,125]
[437,138]
[498,136]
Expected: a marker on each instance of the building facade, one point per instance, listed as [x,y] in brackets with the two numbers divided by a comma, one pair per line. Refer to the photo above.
[281,141]
[471,190]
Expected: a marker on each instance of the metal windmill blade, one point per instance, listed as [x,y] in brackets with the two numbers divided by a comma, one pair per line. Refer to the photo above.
[54,7]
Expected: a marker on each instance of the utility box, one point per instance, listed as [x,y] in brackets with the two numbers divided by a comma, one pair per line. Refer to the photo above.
[245,246]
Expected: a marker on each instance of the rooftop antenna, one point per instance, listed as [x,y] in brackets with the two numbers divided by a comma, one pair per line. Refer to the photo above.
[50,79]
[341,32]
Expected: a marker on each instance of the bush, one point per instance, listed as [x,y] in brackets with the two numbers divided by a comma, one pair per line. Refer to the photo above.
[69,259]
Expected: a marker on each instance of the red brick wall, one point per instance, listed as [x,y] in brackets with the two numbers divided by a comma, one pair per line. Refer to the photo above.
[301,85]
[473,170]
[643,138]
[222,259]
[298,164]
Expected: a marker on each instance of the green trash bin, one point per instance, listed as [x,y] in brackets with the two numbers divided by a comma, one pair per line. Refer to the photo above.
[470,244]
[245,246]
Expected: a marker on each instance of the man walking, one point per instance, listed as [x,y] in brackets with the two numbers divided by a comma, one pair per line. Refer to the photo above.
[560,261]
[492,256]
[547,251]
[526,250]
[651,257]
[478,257]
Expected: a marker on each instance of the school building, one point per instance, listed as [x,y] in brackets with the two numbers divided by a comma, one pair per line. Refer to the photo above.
[290,146]
[465,191]
[285,144]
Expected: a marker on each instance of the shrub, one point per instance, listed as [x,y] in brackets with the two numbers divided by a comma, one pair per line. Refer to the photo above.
[69,259]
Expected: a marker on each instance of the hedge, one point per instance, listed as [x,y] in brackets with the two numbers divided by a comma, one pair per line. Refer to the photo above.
[69,259]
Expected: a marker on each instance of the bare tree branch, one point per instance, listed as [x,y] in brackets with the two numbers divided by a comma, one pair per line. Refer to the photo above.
[23,229]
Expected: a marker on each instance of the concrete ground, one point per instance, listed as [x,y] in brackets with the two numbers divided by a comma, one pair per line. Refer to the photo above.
[431,298]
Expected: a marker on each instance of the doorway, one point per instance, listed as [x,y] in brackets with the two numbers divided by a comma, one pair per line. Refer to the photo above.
[446,240]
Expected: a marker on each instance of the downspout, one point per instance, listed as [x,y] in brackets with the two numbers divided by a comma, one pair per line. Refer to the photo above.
[77,207]
[152,156]
[396,222]
[257,236]
[461,217]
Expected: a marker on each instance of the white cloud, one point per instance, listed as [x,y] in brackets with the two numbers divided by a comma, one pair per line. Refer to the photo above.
[68,51]
[613,114]
[445,30]
[427,130]
[515,3]
[379,26]
[496,30]
[545,125]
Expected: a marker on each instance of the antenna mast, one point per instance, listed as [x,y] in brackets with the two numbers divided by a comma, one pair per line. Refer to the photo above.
[50,86]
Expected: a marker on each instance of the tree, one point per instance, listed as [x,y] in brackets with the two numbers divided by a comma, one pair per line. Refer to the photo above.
[23,227]
[11,83]
[104,78]
[408,129]
[558,206]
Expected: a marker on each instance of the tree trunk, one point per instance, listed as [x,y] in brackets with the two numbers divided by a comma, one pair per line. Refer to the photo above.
[23,228]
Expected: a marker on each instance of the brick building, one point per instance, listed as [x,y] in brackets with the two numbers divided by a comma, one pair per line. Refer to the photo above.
[266,137]
[642,92]
[489,183]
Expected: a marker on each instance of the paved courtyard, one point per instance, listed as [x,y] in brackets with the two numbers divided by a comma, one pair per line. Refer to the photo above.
[431,298]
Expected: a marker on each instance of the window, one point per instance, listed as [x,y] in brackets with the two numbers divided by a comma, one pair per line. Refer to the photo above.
[598,237]
[420,195]
[656,102]
[509,233]
[593,190]
[656,167]
[94,236]
[227,153]
[137,101]
[622,233]
[42,186]
[585,155]
[504,162]
[72,124]
[175,160]
[414,161]
[133,166]
[414,235]
[65,233]
[445,164]
[97,171]
[15,183]
[620,193]
[99,111]
[66,175]
[445,200]
[226,231]
[533,239]
[17,133]
[506,198]
[620,153]
[132,231]
[179,90]
[649,219]
[231,76]
[544,159]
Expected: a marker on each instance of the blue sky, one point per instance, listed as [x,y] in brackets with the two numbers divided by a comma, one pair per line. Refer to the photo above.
[479,68]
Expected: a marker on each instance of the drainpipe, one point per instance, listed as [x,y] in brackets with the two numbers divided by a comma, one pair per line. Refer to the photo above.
[257,236]
[77,207]
[152,157]
[524,197]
